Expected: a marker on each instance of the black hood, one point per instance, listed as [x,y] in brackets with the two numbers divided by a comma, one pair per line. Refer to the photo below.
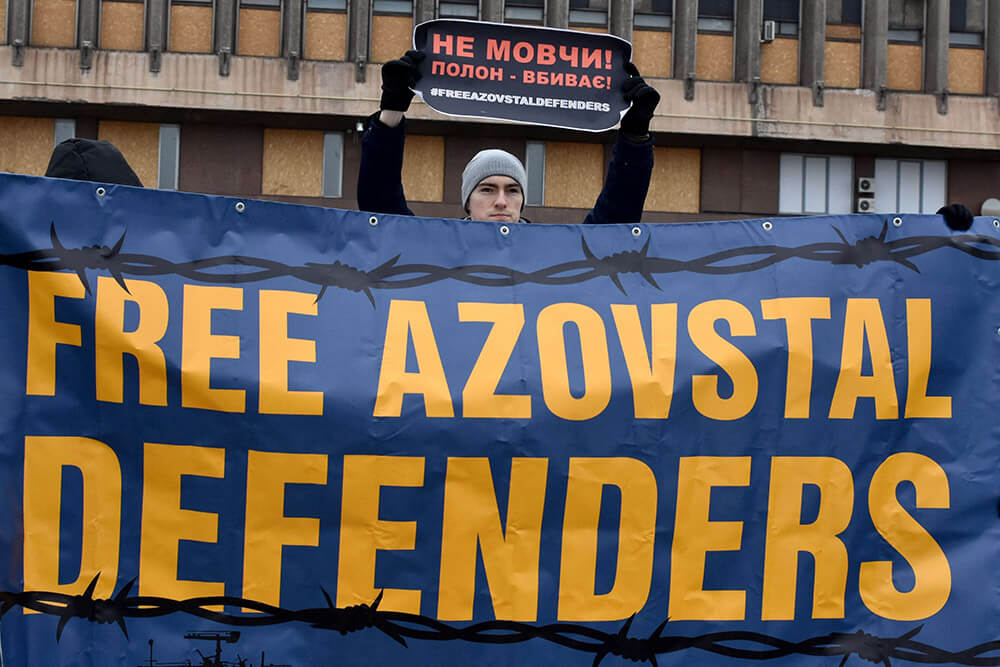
[89,160]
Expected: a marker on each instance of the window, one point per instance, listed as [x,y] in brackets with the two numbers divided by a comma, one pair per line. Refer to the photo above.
[459,9]
[815,184]
[844,12]
[392,7]
[524,11]
[334,5]
[333,164]
[653,13]
[968,21]
[170,143]
[910,186]
[190,26]
[785,13]
[906,20]
[65,129]
[715,16]
[534,167]
[588,13]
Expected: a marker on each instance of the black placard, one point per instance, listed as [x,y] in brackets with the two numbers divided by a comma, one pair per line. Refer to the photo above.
[543,76]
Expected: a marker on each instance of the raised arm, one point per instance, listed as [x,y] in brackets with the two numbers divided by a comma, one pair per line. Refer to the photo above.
[380,175]
[624,194]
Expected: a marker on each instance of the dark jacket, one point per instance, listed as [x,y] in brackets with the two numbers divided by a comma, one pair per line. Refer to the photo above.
[90,160]
[380,187]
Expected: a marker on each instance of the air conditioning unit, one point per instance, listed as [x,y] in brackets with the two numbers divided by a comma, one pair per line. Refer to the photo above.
[769,31]
[866,185]
[866,204]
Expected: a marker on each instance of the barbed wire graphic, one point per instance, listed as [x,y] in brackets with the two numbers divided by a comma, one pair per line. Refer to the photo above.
[400,626]
[239,269]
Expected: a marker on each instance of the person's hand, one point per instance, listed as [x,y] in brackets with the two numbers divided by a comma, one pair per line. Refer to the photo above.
[956,216]
[644,99]
[398,76]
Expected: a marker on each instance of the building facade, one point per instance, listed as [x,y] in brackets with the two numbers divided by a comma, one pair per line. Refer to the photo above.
[769,107]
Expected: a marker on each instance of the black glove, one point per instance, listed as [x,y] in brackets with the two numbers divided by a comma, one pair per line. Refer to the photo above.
[644,99]
[956,216]
[398,76]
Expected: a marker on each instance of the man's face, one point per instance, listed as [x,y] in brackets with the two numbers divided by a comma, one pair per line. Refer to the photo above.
[496,198]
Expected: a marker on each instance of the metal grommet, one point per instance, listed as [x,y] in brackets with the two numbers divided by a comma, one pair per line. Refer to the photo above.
[636,231]
[504,230]
[373,221]
[240,207]
[768,225]
[897,222]
[101,192]
[996,223]
[998,332]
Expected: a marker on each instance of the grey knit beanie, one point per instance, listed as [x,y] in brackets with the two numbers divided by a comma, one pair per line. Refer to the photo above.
[491,162]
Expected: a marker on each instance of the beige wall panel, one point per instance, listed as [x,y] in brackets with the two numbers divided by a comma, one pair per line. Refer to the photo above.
[260,32]
[53,23]
[139,143]
[326,36]
[190,29]
[842,64]
[965,71]
[293,163]
[26,144]
[714,58]
[392,36]
[905,70]
[574,173]
[423,169]
[779,61]
[651,52]
[594,29]
[121,26]
[676,182]
[843,31]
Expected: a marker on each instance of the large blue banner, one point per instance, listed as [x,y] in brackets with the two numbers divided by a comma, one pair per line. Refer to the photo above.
[251,433]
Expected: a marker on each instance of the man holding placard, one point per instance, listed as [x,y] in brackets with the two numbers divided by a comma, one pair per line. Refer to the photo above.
[493,182]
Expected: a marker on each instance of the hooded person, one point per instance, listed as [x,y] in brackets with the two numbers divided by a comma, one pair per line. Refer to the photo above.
[91,160]
[493,182]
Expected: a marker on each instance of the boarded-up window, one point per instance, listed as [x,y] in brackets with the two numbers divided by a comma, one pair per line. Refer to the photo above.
[191,27]
[293,163]
[326,34]
[779,61]
[25,144]
[139,143]
[574,174]
[260,28]
[651,52]
[842,68]
[423,168]
[714,57]
[53,23]
[676,181]
[121,25]
[905,70]
[392,36]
